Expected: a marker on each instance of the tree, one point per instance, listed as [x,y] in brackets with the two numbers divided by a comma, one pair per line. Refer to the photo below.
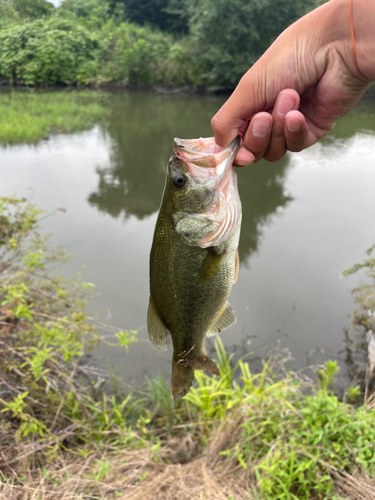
[33,8]
[230,35]
[164,14]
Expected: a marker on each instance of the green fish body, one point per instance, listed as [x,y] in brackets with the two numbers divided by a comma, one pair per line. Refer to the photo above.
[194,256]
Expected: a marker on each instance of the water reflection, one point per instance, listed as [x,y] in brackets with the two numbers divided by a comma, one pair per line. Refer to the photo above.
[360,337]
[262,194]
[132,184]
[142,127]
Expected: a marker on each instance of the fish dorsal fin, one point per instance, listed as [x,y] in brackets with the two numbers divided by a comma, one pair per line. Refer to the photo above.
[224,320]
[157,331]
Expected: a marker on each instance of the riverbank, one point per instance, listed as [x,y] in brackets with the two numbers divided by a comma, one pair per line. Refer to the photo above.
[30,116]
[69,430]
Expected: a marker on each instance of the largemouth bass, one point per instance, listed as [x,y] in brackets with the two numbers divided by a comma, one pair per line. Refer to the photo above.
[194,255]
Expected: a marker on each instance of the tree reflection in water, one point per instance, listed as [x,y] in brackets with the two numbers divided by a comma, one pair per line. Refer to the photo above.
[142,127]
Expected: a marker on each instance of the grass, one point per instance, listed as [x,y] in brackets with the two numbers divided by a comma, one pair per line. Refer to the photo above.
[68,431]
[30,116]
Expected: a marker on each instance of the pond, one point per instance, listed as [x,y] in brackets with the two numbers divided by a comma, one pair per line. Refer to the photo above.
[305,219]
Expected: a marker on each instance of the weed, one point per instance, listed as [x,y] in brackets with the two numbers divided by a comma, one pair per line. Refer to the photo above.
[45,333]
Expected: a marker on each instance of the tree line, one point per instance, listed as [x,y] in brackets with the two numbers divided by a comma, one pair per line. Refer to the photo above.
[202,43]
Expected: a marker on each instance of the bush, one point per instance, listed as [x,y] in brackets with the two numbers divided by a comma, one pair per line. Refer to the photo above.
[46,388]
[143,56]
[66,51]
[52,51]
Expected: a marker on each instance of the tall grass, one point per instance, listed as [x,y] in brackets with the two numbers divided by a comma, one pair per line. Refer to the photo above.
[30,116]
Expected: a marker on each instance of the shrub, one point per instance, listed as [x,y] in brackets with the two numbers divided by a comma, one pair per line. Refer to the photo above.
[52,51]
[143,56]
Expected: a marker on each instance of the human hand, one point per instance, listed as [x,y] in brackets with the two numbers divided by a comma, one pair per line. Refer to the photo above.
[297,90]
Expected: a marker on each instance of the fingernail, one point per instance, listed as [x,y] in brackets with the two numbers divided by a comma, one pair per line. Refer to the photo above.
[244,157]
[261,128]
[284,105]
[293,125]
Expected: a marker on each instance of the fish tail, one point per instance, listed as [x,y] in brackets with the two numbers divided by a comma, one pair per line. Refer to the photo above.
[183,373]
[203,362]
[182,378]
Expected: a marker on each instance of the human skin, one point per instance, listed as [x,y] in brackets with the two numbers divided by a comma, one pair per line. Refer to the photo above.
[293,95]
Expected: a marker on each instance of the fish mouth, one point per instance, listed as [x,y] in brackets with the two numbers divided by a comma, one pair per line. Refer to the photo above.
[211,165]
[204,159]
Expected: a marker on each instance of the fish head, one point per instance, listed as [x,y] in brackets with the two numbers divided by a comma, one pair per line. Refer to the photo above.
[203,187]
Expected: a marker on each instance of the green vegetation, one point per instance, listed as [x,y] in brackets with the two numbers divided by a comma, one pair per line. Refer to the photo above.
[70,431]
[45,334]
[30,116]
[231,36]
[127,42]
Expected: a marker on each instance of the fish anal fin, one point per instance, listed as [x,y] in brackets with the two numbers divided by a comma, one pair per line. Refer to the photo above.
[225,319]
[157,331]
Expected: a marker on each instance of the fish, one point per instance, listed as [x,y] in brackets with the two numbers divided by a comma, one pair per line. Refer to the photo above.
[194,255]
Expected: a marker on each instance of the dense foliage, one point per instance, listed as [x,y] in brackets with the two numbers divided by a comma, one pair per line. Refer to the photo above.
[127,42]
[51,51]
[231,36]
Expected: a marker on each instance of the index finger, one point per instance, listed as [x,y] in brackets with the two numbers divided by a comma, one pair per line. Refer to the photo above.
[233,117]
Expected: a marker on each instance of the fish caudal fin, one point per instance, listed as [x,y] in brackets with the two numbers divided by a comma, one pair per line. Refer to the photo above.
[182,378]
[183,373]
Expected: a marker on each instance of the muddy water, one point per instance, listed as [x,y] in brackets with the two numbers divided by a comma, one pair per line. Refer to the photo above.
[305,219]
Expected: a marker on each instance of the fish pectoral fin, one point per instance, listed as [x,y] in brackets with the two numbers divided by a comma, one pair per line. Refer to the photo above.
[225,319]
[211,263]
[157,331]
[203,362]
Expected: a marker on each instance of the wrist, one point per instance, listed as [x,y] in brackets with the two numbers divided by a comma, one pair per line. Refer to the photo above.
[337,15]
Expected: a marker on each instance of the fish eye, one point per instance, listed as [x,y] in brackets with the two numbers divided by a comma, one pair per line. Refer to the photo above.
[179,180]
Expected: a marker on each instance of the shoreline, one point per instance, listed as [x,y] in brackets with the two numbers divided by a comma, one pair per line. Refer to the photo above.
[111,86]
[158,89]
